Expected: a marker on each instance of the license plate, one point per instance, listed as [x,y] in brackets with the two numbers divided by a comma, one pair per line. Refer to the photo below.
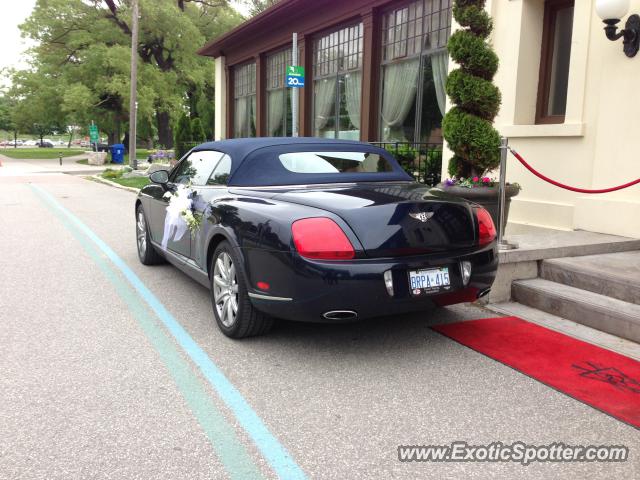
[429,281]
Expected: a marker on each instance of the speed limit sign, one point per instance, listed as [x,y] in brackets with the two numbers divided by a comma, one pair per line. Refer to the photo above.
[295,76]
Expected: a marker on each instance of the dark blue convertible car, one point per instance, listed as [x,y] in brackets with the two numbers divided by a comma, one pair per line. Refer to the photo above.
[312,230]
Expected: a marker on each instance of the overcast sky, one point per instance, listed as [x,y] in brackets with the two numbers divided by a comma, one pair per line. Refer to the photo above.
[13,45]
[13,14]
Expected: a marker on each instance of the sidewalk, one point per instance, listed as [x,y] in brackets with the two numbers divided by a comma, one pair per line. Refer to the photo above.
[19,167]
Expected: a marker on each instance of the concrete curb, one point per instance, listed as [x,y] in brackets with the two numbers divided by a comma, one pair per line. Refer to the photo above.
[97,178]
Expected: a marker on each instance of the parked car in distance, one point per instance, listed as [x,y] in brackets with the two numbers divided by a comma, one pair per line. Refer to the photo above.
[30,143]
[311,229]
[45,144]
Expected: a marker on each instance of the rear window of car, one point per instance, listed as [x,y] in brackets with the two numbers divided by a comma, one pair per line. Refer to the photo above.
[329,162]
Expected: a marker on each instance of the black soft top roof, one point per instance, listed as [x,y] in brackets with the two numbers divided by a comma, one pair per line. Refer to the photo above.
[255,161]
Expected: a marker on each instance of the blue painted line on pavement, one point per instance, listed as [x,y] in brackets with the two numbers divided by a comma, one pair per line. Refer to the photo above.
[271,449]
[221,434]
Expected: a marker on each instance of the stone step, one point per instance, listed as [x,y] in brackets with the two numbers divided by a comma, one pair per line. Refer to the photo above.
[569,327]
[537,244]
[597,311]
[615,275]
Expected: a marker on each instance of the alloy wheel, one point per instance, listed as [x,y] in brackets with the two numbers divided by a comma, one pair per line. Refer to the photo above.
[141,233]
[225,289]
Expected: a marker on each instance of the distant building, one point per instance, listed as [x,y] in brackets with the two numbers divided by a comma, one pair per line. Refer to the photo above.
[376,70]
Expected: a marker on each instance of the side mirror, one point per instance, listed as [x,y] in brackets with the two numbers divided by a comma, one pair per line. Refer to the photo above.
[161,177]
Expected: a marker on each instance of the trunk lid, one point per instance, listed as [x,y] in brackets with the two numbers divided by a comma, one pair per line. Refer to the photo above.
[394,219]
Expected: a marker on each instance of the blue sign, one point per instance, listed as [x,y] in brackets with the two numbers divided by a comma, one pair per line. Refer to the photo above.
[295,76]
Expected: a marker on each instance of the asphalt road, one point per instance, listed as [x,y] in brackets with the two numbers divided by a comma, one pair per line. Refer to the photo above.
[94,383]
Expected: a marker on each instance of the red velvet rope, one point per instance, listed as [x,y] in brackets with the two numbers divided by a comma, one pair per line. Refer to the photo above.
[567,187]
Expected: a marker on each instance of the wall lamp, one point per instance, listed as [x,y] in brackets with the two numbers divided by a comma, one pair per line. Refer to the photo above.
[611,11]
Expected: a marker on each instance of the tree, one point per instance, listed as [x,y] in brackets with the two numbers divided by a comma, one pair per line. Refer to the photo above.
[183,136]
[6,115]
[197,132]
[204,109]
[467,127]
[82,50]
[259,6]
[35,106]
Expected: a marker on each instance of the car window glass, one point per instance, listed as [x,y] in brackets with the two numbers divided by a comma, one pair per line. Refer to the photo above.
[197,167]
[220,175]
[334,162]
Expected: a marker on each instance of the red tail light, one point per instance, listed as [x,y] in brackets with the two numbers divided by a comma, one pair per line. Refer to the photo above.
[321,238]
[486,228]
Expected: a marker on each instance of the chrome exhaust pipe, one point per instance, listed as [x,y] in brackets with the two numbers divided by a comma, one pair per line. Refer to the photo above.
[340,315]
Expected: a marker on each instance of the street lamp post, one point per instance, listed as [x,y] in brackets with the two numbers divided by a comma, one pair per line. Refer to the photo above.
[294,91]
[133,101]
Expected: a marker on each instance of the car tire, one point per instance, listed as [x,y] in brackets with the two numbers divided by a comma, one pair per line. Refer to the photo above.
[146,251]
[229,288]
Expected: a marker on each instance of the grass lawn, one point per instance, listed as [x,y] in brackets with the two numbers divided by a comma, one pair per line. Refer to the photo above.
[40,153]
[117,177]
[135,182]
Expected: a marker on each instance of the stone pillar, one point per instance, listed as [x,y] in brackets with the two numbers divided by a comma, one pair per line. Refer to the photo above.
[220,117]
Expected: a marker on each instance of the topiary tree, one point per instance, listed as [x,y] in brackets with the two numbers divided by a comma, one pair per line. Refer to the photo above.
[182,136]
[197,131]
[467,127]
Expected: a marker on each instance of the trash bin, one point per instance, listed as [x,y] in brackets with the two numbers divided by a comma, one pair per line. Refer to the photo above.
[117,153]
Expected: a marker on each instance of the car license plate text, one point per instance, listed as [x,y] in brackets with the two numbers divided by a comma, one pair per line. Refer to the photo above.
[429,280]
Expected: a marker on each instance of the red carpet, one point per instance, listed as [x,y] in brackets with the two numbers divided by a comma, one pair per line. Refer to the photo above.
[601,378]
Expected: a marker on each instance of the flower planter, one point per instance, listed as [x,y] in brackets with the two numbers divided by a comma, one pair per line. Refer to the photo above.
[487,197]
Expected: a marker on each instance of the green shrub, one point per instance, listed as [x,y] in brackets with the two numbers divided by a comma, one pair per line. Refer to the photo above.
[468,3]
[110,173]
[182,136]
[473,140]
[467,127]
[406,156]
[474,94]
[473,54]
[197,131]
[474,17]
[431,166]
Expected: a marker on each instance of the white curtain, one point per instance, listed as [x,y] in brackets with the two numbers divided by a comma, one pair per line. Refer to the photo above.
[324,101]
[251,131]
[275,111]
[400,85]
[240,117]
[353,93]
[439,65]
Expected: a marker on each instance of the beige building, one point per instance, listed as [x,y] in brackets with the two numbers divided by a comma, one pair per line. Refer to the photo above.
[571,109]
[375,72]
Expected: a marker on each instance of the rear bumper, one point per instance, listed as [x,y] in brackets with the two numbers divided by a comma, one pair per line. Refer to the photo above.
[303,290]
